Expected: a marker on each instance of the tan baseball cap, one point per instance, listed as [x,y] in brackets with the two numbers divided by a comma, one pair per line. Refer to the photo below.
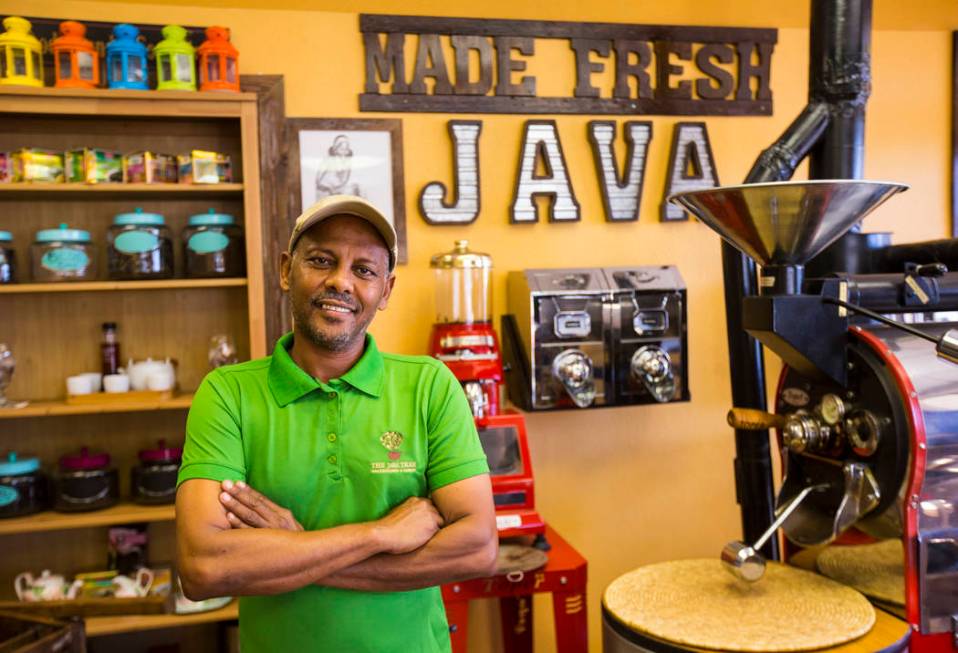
[347,205]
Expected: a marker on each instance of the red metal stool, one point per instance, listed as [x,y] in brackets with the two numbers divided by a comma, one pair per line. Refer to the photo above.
[564,576]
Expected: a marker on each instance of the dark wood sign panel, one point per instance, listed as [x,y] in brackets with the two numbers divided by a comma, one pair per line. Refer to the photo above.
[658,69]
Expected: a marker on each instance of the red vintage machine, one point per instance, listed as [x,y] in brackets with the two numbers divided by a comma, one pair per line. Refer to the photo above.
[464,339]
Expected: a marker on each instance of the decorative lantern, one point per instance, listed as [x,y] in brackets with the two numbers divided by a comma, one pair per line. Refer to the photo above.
[175,69]
[77,64]
[219,61]
[21,58]
[126,59]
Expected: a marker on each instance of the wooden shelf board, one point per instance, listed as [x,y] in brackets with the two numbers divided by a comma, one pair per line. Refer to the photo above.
[104,93]
[98,286]
[90,191]
[122,513]
[112,625]
[59,407]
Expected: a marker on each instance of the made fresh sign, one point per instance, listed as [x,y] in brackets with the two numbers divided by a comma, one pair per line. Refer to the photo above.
[480,66]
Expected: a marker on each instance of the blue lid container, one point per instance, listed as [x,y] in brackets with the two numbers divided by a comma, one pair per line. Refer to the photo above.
[63,234]
[138,217]
[212,218]
[14,466]
[6,237]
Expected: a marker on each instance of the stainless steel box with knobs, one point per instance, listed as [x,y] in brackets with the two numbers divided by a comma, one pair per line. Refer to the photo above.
[582,337]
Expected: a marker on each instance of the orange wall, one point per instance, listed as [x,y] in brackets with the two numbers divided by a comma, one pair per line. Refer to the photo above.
[627,486]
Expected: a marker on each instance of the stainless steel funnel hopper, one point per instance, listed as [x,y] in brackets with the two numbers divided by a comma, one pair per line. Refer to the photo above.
[784,224]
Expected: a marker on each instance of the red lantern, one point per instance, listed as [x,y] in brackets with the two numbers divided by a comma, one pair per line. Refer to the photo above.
[76,63]
[219,61]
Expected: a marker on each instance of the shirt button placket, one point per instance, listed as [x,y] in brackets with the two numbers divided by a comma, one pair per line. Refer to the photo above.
[334,455]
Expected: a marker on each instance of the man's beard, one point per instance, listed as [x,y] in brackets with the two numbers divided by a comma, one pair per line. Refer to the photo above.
[337,343]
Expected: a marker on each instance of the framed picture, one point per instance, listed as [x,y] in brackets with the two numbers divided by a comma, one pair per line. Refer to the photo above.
[345,156]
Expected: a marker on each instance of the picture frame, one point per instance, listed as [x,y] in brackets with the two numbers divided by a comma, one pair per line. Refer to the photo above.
[353,156]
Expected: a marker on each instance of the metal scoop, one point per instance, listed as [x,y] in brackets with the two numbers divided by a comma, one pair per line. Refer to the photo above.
[744,561]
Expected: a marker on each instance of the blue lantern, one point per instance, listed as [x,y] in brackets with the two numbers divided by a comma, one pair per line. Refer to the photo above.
[126,59]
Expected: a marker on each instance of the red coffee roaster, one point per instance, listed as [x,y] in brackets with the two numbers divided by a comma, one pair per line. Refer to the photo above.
[464,339]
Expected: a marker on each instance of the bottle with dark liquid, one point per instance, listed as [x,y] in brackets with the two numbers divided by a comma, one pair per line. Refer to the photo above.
[110,349]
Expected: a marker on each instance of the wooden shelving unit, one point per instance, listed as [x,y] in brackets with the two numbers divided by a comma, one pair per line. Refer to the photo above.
[60,408]
[53,329]
[122,513]
[114,625]
[100,286]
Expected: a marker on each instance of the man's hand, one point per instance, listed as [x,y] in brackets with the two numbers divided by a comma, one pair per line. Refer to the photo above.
[247,508]
[407,527]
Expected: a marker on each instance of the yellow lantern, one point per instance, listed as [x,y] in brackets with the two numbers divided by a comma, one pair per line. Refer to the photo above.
[21,56]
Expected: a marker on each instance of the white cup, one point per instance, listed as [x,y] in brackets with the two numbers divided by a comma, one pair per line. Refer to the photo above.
[116,383]
[96,380]
[79,385]
[160,381]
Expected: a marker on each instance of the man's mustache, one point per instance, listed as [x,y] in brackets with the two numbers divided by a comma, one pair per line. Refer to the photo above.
[342,298]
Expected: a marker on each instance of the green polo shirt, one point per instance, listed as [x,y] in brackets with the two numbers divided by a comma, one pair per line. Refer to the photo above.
[336,453]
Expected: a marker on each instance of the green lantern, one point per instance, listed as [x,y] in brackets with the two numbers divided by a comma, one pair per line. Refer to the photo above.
[175,61]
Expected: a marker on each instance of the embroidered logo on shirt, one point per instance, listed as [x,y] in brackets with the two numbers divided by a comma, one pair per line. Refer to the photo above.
[392,440]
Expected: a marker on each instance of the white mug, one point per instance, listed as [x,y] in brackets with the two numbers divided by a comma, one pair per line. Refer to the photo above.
[79,385]
[96,380]
[116,383]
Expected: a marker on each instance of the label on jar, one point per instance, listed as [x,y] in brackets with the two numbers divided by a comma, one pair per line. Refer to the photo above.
[65,259]
[136,242]
[207,242]
[7,495]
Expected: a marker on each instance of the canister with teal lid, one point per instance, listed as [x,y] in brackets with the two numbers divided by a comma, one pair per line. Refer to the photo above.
[24,488]
[213,246]
[8,258]
[139,246]
[62,254]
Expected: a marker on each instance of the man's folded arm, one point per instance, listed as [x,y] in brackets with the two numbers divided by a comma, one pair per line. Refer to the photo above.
[466,547]
[217,560]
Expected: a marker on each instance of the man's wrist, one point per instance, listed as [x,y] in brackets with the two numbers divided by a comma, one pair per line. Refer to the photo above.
[377,534]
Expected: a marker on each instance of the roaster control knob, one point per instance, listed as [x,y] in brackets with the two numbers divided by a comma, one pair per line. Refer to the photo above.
[832,409]
[802,432]
[864,432]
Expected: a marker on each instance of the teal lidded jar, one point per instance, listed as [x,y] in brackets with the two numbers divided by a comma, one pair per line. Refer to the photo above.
[139,246]
[213,246]
[62,254]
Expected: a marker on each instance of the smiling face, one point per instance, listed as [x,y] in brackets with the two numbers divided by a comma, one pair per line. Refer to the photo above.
[337,278]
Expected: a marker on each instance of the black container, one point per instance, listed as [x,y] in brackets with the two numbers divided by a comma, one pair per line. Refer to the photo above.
[85,482]
[24,489]
[8,259]
[153,481]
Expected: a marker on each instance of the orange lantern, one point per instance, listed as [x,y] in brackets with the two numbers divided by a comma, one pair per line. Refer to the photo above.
[219,61]
[76,63]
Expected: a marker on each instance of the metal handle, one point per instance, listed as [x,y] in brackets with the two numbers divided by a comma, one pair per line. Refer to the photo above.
[785,513]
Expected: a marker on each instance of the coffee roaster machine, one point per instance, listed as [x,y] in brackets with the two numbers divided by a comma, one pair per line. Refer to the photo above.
[866,409]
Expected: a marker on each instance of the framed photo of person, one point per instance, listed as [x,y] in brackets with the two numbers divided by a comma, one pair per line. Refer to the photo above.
[346,156]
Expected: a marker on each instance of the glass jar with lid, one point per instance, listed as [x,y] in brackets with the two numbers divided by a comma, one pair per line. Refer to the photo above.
[463,291]
[62,254]
[139,246]
[8,258]
[85,481]
[213,246]
[153,481]
[23,486]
